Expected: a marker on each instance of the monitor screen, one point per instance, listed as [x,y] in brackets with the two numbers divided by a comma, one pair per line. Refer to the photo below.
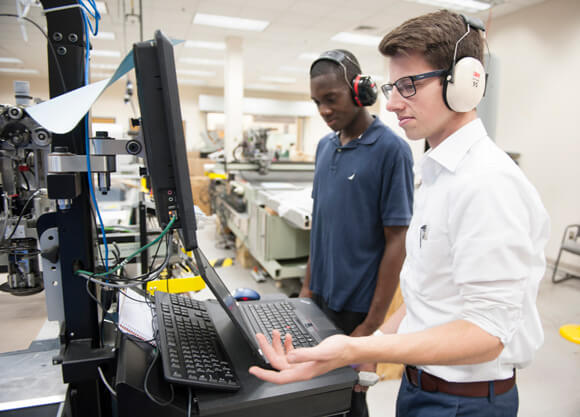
[162,129]
[225,298]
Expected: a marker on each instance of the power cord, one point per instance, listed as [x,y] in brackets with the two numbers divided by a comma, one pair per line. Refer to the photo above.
[109,387]
[146,388]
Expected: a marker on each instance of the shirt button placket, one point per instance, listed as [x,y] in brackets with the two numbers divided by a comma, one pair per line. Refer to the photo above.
[335,158]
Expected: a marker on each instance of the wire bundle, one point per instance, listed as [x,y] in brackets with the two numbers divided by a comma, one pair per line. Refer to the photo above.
[108,278]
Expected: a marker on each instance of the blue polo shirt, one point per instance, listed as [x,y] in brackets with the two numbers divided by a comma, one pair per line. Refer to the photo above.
[358,189]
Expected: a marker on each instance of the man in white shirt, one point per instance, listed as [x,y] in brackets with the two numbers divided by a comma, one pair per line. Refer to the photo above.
[474,246]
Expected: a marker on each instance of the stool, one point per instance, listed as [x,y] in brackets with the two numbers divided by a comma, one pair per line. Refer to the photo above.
[571,332]
[570,243]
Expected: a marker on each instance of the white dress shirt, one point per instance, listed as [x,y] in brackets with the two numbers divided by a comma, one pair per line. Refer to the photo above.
[475,251]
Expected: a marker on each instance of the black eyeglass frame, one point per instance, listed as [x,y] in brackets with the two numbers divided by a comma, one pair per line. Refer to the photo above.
[388,87]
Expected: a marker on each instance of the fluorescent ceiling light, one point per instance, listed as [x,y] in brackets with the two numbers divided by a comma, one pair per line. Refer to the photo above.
[101,7]
[203,61]
[230,22]
[281,80]
[101,74]
[9,60]
[205,45]
[104,66]
[108,36]
[197,73]
[356,38]
[299,70]
[106,53]
[19,70]
[309,56]
[471,6]
[259,86]
[191,82]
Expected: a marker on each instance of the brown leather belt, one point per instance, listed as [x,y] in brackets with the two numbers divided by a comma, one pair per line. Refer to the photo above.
[431,383]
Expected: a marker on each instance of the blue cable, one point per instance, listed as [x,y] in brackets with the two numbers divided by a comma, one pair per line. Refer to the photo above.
[87,24]
[94,14]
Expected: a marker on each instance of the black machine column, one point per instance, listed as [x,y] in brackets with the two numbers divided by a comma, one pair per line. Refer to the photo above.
[80,340]
[76,230]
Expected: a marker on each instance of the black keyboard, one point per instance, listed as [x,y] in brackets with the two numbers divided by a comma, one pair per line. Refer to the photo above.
[280,316]
[191,350]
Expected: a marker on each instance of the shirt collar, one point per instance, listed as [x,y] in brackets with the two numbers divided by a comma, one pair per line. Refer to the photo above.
[449,153]
[368,137]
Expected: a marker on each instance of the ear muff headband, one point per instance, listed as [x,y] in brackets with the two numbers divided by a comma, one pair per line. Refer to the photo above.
[364,89]
[464,85]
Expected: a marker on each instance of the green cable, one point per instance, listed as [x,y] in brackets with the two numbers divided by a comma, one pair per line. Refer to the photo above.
[128,259]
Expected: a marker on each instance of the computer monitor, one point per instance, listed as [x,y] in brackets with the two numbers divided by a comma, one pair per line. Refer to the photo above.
[162,129]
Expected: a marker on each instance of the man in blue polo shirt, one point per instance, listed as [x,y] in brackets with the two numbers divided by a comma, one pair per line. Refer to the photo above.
[363,197]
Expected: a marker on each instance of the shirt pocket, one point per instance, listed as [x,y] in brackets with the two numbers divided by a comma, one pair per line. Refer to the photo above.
[435,273]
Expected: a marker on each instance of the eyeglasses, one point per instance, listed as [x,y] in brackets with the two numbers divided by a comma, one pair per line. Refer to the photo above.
[406,85]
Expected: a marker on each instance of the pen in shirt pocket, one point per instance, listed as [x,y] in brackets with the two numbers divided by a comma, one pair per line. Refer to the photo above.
[423,231]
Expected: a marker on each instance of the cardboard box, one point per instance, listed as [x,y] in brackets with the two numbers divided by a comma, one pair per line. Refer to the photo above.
[196,165]
[243,255]
[392,370]
[200,191]
[193,154]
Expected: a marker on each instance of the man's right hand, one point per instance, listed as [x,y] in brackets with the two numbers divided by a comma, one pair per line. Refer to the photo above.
[305,293]
[301,364]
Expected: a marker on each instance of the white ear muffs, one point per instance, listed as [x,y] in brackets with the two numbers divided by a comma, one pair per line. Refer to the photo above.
[463,89]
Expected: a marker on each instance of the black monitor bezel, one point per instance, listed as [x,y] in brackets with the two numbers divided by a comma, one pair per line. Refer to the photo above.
[163,136]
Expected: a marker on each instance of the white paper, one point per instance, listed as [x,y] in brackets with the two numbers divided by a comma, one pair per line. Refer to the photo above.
[63,113]
[135,316]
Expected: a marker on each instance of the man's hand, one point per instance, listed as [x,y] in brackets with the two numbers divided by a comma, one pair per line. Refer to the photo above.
[363,330]
[305,293]
[300,364]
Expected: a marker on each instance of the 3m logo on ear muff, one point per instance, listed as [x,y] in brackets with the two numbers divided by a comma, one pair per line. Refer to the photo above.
[476,77]
[464,85]
[364,89]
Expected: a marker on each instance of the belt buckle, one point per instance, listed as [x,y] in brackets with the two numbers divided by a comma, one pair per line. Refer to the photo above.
[424,383]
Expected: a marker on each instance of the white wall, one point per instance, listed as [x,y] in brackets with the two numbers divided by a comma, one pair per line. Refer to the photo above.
[538,115]
[314,130]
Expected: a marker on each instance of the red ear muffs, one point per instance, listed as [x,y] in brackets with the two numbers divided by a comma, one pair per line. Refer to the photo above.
[364,90]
